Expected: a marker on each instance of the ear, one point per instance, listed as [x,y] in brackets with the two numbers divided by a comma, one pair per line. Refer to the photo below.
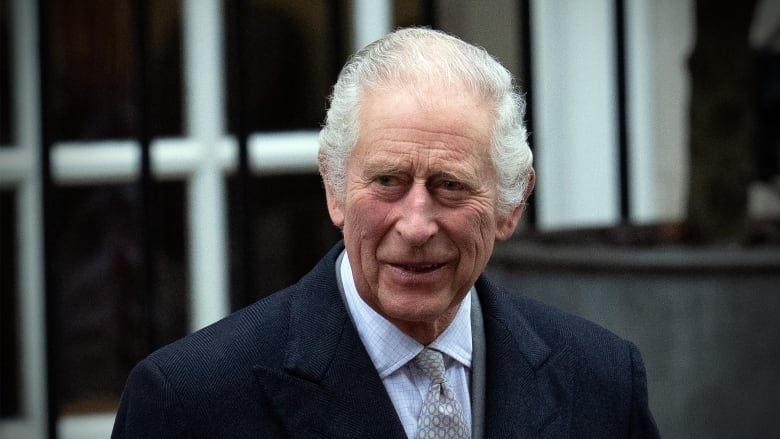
[335,207]
[506,226]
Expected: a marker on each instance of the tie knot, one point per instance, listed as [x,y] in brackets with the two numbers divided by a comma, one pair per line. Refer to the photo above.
[431,362]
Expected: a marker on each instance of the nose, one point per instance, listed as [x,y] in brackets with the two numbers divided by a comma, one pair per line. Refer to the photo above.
[417,222]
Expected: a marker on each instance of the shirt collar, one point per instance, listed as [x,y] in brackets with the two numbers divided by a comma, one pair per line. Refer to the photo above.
[388,347]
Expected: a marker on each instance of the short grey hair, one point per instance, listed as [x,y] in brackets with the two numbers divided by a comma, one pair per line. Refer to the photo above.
[415,55]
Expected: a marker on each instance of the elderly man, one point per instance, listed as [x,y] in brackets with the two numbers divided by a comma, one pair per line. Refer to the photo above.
[396,332]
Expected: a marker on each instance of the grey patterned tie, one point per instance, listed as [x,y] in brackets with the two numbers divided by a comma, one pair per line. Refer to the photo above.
[441,415]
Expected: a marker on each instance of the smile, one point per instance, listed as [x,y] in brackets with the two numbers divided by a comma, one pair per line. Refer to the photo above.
[420,268]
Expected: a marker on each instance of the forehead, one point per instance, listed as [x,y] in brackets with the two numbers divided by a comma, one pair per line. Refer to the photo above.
[431,121]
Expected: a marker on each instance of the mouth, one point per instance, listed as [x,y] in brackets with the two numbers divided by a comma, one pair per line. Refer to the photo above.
[419,268]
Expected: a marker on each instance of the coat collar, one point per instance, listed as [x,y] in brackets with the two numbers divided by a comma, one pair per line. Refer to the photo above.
[327,385]
[527,389]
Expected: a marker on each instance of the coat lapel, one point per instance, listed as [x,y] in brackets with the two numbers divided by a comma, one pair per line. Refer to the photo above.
[327,386]
[526,390]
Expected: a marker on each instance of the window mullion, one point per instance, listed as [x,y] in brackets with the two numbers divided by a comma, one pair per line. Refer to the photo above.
[25,86]
[205,110]
[371,20]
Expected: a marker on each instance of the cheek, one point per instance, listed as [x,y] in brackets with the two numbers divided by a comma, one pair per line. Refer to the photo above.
[479,223]
[475,234]
[367,219]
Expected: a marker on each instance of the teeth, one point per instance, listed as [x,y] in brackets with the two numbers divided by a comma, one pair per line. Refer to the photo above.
[420,267]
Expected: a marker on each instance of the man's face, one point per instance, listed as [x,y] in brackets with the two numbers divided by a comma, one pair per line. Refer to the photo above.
[419,215]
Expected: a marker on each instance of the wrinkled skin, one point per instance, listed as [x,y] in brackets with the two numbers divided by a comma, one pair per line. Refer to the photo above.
[419,215]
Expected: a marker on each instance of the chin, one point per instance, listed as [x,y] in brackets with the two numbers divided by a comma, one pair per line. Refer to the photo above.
[416,310]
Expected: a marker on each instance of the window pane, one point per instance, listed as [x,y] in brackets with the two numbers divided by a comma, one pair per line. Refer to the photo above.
[412,12]
[496,28]
[290,231]
[289,57]
[93,68]
[99,280]
[494,25]
[9,333]
[5,71]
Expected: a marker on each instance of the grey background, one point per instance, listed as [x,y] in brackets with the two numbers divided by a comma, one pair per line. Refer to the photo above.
[706,320]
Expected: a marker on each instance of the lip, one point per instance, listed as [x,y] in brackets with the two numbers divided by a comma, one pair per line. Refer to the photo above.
[417,273]
[419,268]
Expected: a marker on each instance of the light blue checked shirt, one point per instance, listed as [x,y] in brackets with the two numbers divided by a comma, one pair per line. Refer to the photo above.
[392,351]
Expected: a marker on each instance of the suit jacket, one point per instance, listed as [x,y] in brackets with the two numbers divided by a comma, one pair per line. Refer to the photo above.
[293,365]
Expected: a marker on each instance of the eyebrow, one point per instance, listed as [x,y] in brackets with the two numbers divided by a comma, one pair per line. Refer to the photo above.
[383,167]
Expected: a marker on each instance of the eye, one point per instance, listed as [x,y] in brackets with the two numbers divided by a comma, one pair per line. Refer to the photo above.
[448,189]
[386,180]
[451,185]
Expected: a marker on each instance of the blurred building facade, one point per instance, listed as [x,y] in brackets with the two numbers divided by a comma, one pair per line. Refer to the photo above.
[158,160]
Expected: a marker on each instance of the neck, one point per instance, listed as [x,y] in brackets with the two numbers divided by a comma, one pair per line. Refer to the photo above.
[426,332]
